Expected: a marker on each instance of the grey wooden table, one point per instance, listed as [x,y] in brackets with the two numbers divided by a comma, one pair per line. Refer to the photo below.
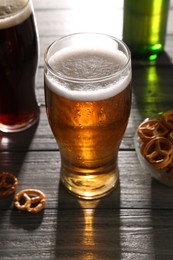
[133,222]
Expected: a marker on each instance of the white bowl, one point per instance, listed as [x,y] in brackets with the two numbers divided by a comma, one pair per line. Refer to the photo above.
[162,176]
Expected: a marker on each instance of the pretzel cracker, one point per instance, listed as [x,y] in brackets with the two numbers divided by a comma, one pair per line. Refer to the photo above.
[30,200]
[8,183]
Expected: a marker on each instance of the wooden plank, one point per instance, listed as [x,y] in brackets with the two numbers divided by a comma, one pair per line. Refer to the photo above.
[74,4]
[135,220]
[67,22]
[152,89]
[66,4]
[122,234]
[41,170]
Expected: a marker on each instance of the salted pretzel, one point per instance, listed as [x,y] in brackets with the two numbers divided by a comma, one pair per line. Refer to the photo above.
[151,128]
[8,183]
[30,200]
[167,119]
[159,152]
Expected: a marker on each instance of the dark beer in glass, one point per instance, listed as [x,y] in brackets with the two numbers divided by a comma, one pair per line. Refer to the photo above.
[18,65]
[88,101]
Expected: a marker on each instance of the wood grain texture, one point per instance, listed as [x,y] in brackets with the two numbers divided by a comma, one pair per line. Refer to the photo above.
[133,222]
[129,234]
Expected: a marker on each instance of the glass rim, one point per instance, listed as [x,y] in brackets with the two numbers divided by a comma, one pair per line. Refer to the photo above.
[88,80]
[15,11]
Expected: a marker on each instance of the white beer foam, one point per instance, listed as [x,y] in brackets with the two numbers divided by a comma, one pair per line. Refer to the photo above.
[10,16]
[85,92]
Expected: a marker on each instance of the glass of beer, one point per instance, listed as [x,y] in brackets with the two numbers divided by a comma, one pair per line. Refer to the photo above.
[87,83]
[18,64]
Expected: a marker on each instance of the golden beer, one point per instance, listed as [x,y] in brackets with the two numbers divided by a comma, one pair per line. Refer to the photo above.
[88,100]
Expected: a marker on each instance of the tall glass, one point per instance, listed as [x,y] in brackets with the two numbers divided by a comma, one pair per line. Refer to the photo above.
[88,99]
[18,64]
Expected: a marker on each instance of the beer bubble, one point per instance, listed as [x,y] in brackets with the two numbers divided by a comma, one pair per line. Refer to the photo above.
[87,64]
[79,158]
[88,74]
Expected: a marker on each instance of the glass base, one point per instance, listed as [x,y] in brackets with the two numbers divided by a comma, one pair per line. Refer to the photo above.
[19,127]
[89,184]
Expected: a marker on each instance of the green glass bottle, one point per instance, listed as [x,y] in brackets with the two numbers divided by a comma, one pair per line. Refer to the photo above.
[144,26]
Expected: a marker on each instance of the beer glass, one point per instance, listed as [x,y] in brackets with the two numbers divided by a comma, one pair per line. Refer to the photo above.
[87,83]
[18,64]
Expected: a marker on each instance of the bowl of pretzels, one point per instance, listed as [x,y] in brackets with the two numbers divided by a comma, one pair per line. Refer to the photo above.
[154,146]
